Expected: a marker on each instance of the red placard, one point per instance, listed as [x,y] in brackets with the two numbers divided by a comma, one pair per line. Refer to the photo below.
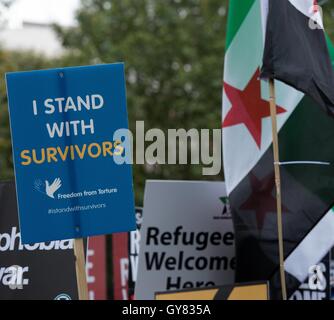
[96,268]
[120,256]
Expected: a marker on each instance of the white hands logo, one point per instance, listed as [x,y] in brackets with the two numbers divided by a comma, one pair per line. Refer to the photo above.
[51,189]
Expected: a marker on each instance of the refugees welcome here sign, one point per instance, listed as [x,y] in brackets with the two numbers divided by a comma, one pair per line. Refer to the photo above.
[65,126]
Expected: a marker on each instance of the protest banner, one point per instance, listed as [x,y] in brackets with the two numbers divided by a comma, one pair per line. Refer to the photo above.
[120,261]
[125,255]
[96,268]
[67,128]
[43,271]
[62,122]
[318,285]
[187,238]
[134,248]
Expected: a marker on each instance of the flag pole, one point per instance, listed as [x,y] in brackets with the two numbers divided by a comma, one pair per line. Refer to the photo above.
[272,102]
[80,268]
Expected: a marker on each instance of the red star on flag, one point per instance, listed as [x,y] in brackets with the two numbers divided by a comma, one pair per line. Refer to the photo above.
[261,199]
[248,107]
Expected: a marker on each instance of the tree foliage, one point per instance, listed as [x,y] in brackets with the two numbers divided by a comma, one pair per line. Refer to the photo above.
[13,61]
[173,51]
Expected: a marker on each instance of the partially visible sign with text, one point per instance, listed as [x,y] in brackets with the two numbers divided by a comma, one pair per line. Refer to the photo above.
[187,238]
[42,271]
[67,133]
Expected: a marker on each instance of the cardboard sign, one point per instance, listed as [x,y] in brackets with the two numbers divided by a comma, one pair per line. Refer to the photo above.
[187,238]
[27,272]
[250,291]
[68,152]
[96,268]
[317,286]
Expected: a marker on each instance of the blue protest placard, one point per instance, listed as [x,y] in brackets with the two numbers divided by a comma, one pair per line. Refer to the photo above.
[64,123]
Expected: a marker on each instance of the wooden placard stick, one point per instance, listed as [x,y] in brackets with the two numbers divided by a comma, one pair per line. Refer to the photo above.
[272,101]
[80,268]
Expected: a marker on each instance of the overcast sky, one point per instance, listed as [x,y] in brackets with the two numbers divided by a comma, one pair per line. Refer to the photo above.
[44,11]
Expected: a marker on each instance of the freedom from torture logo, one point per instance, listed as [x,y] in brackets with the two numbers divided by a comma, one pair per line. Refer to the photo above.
[47,188]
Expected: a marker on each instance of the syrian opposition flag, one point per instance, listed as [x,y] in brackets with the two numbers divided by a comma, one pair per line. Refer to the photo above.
[296,50]
[306,138]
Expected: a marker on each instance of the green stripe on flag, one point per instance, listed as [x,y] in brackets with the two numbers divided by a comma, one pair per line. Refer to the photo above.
[237,12]
[330,48]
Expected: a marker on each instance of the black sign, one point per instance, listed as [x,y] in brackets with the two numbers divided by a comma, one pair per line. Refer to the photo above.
[38,271]
[317,286]
[134,246]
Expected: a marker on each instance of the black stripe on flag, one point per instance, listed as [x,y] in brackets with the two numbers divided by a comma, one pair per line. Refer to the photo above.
[296,52]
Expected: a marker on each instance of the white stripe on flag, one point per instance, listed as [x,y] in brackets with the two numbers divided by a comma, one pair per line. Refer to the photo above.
[264,16]
[311,9]
[312,249]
